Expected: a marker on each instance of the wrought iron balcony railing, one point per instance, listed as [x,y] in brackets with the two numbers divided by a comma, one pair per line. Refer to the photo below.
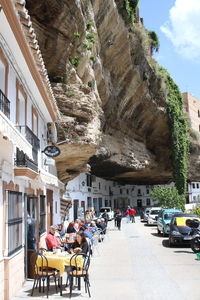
[22,160]
[30,136]
[4,104]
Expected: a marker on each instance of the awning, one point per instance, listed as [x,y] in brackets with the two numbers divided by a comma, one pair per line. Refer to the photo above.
[65,205]
[8,130]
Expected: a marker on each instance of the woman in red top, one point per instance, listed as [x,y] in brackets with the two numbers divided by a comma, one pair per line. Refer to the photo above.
[132,214]
[127,215]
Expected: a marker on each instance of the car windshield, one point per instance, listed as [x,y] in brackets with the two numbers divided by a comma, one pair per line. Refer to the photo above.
[105,209]
[154,212]
[168,216]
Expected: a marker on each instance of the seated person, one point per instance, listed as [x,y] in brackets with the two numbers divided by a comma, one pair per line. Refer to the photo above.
[88,234]
[100,225]
[51,240]
[103,225]
[80,244]
[77,225]
[70,228]
[93,228]
[60,230]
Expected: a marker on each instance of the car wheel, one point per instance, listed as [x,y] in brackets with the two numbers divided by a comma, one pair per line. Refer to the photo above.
[158,231]
[195,245]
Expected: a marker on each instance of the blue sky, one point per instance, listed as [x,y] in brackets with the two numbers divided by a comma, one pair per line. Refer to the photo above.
[177,23]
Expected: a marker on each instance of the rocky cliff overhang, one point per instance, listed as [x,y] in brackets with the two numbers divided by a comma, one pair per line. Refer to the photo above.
[112,103]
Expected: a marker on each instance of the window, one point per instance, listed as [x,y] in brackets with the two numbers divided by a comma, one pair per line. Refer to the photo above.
[99,185]
[148,202]
[199,128]
[198,113]
[89,202]
[21,106]
[194,198]
[89,180]
[14,221]
[2,76]
[120,191]
[34,121]
[106,203]
[197,186]
[100,202]
[139,192]
[42,226]
[193,185]
[3,73]
[148,191]
[127,191]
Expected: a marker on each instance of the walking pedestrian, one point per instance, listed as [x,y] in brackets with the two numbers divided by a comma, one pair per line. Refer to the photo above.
[115,219]
[105,216]
[127,215]
[132,214]
[118,219]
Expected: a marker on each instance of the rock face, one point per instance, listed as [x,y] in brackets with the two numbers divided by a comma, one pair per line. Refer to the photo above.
[112,104]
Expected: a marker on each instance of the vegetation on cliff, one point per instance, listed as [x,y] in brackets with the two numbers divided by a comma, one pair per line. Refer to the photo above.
[178,128]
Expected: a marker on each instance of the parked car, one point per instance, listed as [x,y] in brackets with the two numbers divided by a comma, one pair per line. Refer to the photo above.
[153,215]
[145,214]
[109,211]
[164,219]
[179,232]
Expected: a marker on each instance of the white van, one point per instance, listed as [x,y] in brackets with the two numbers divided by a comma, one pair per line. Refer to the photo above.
[109,211]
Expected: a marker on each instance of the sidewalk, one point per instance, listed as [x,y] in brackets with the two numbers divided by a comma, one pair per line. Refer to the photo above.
[134,265]
[111,275]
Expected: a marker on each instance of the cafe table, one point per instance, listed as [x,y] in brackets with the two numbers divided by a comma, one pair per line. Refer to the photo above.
[59,261]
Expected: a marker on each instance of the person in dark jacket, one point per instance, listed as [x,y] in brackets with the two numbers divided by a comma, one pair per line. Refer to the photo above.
[118,219]
[80,244]
[105,216]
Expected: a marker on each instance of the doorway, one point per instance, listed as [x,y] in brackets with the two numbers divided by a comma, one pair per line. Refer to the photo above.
[30,232]
[76,205]
[49,208]
[139,203]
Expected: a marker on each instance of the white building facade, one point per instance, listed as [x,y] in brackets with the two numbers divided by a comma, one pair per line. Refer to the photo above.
[88,191]
[30,191]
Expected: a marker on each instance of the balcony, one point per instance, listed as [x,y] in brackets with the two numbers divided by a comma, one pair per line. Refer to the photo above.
[4,104]
[25,166]
[30,136]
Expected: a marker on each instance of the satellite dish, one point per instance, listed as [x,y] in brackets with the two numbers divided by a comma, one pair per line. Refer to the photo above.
[54,135]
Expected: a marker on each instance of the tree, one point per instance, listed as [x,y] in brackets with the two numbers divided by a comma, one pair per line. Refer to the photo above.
[168,197]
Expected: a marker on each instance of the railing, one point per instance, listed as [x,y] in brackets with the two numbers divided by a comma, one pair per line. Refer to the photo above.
[22,160]
[4,104]
[30,136]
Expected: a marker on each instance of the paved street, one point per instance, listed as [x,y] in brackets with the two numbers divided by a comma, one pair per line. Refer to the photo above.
[137,264]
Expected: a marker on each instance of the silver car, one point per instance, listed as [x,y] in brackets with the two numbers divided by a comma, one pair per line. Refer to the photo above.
[146,214]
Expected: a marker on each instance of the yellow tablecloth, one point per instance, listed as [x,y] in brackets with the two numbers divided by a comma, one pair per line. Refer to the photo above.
[58,261]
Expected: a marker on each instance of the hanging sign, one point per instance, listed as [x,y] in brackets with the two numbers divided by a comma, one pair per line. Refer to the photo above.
[51,151]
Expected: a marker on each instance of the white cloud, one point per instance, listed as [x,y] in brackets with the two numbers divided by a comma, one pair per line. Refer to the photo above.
[183,28]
